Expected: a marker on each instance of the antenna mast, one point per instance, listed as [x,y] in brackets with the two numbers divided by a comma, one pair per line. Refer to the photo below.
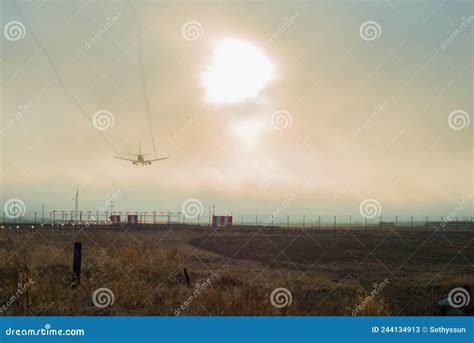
[76,206]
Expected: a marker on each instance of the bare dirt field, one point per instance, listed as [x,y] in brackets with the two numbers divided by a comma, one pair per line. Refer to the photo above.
[233,271]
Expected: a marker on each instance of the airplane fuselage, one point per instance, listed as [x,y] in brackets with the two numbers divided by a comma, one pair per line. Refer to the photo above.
[140,158]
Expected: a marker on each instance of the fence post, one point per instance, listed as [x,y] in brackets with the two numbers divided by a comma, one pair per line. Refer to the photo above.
[319,219]
[241,220]
[380,221]
[334,221]
[366,223]
[76,263]
[304,217]
[287,221]
[456,223]
[187,277]
[350,222]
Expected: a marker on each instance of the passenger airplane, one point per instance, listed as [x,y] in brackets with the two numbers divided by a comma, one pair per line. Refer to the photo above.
[140,159]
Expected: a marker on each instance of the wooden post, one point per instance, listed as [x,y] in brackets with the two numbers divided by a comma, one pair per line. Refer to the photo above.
[186,276]
[76,264]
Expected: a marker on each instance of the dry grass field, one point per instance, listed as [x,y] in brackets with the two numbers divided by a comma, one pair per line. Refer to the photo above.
[233,271]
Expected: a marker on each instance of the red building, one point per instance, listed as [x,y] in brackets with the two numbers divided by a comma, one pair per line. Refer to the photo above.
[115,219]
[221,221]
[132,219]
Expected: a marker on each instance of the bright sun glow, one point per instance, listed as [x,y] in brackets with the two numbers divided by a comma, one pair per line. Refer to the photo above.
[238,71]
[248,132]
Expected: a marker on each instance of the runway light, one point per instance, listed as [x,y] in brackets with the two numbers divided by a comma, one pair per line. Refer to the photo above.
[17,227]
[32,227]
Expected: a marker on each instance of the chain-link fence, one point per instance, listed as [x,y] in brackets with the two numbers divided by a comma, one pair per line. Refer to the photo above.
[309,221]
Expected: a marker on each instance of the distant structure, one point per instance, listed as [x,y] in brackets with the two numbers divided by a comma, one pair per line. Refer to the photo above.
[221,221]
[76,206]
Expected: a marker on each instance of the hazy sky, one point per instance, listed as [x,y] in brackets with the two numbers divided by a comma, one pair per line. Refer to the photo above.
[365,112]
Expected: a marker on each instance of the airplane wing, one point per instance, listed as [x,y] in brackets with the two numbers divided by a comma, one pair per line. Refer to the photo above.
[126,159]
[157,159]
